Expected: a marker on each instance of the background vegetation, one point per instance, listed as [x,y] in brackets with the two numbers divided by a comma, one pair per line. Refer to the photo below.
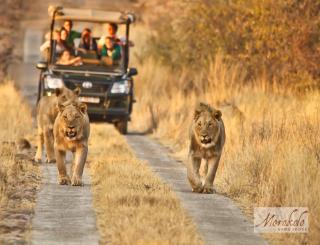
[276,39]
[10,12]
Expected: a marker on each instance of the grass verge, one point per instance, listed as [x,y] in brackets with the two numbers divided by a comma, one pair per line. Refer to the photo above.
[19,178]
[133,206]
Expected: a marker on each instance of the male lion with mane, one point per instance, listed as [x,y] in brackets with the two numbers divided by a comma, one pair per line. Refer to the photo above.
[47,111]
[207,137]
[71,133]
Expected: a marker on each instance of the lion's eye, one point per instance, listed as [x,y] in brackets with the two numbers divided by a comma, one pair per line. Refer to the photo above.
[199,124]
[210,124]
[65,116]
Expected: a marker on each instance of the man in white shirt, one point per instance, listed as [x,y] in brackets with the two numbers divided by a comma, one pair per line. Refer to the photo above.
[112,33]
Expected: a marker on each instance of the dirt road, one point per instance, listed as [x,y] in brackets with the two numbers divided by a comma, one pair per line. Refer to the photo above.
[63,214]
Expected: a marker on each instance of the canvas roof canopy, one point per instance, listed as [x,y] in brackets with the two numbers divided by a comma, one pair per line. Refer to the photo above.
[90,15]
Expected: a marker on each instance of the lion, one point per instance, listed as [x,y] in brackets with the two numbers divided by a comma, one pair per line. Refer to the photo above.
[207,137]
[47,111]
[71,133]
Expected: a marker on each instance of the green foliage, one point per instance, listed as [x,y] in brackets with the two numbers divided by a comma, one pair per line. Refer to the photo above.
[276,39]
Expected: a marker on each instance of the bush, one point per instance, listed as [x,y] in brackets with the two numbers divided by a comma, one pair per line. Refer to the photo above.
[276,39]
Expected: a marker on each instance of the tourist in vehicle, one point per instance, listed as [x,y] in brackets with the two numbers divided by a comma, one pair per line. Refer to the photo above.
[71,33]
[60,44]
[46,45]
[111,51]
[87,43]
[61,41]
[112,32]
[67,59]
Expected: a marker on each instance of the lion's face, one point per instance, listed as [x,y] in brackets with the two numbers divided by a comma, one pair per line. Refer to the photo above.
[207,127]
[72,117]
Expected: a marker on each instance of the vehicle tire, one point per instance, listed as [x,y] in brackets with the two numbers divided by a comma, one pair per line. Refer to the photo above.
[122,126]
[130,104]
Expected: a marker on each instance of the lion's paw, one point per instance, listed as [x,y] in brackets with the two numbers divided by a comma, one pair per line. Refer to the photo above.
[64,180]
[50,160]
[76,181]
[208,190]
[197,189]
[37,160]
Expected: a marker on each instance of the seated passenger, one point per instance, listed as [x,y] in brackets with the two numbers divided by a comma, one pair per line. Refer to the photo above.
[61,41]
[67,59]
[46,45]
[87,43]
[71,34]
[112,30]
[60,38]
[111,51]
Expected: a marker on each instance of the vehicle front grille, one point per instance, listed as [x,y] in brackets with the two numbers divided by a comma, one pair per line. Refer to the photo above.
[96,87]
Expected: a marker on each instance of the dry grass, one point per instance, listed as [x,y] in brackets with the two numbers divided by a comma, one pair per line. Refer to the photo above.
[133,206]
[19,178]
[272,153]
[15,120]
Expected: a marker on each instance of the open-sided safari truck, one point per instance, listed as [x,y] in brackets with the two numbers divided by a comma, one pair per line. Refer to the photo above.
[106,88]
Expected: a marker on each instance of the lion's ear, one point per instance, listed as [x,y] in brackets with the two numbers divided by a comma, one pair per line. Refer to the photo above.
[197,113]
[198,110]
[58,91]
[83,107]
[217,114]
[61,107]
[77,91]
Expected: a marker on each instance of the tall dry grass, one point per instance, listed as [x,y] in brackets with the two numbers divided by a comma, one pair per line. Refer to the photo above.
[133,206]
[19,178]
[272,152]
[15,120]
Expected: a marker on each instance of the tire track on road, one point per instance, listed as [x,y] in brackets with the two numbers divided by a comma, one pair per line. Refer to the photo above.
[64,213]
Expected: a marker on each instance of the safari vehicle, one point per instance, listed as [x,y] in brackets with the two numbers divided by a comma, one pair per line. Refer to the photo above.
[106,89]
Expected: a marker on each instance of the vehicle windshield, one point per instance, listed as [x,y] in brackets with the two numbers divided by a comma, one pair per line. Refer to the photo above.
[88,46]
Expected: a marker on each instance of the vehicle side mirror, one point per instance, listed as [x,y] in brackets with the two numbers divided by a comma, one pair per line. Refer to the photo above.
[132,72]
[42,65]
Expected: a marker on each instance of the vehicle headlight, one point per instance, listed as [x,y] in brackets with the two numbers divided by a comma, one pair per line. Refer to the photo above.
[122,87]
[53,82]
